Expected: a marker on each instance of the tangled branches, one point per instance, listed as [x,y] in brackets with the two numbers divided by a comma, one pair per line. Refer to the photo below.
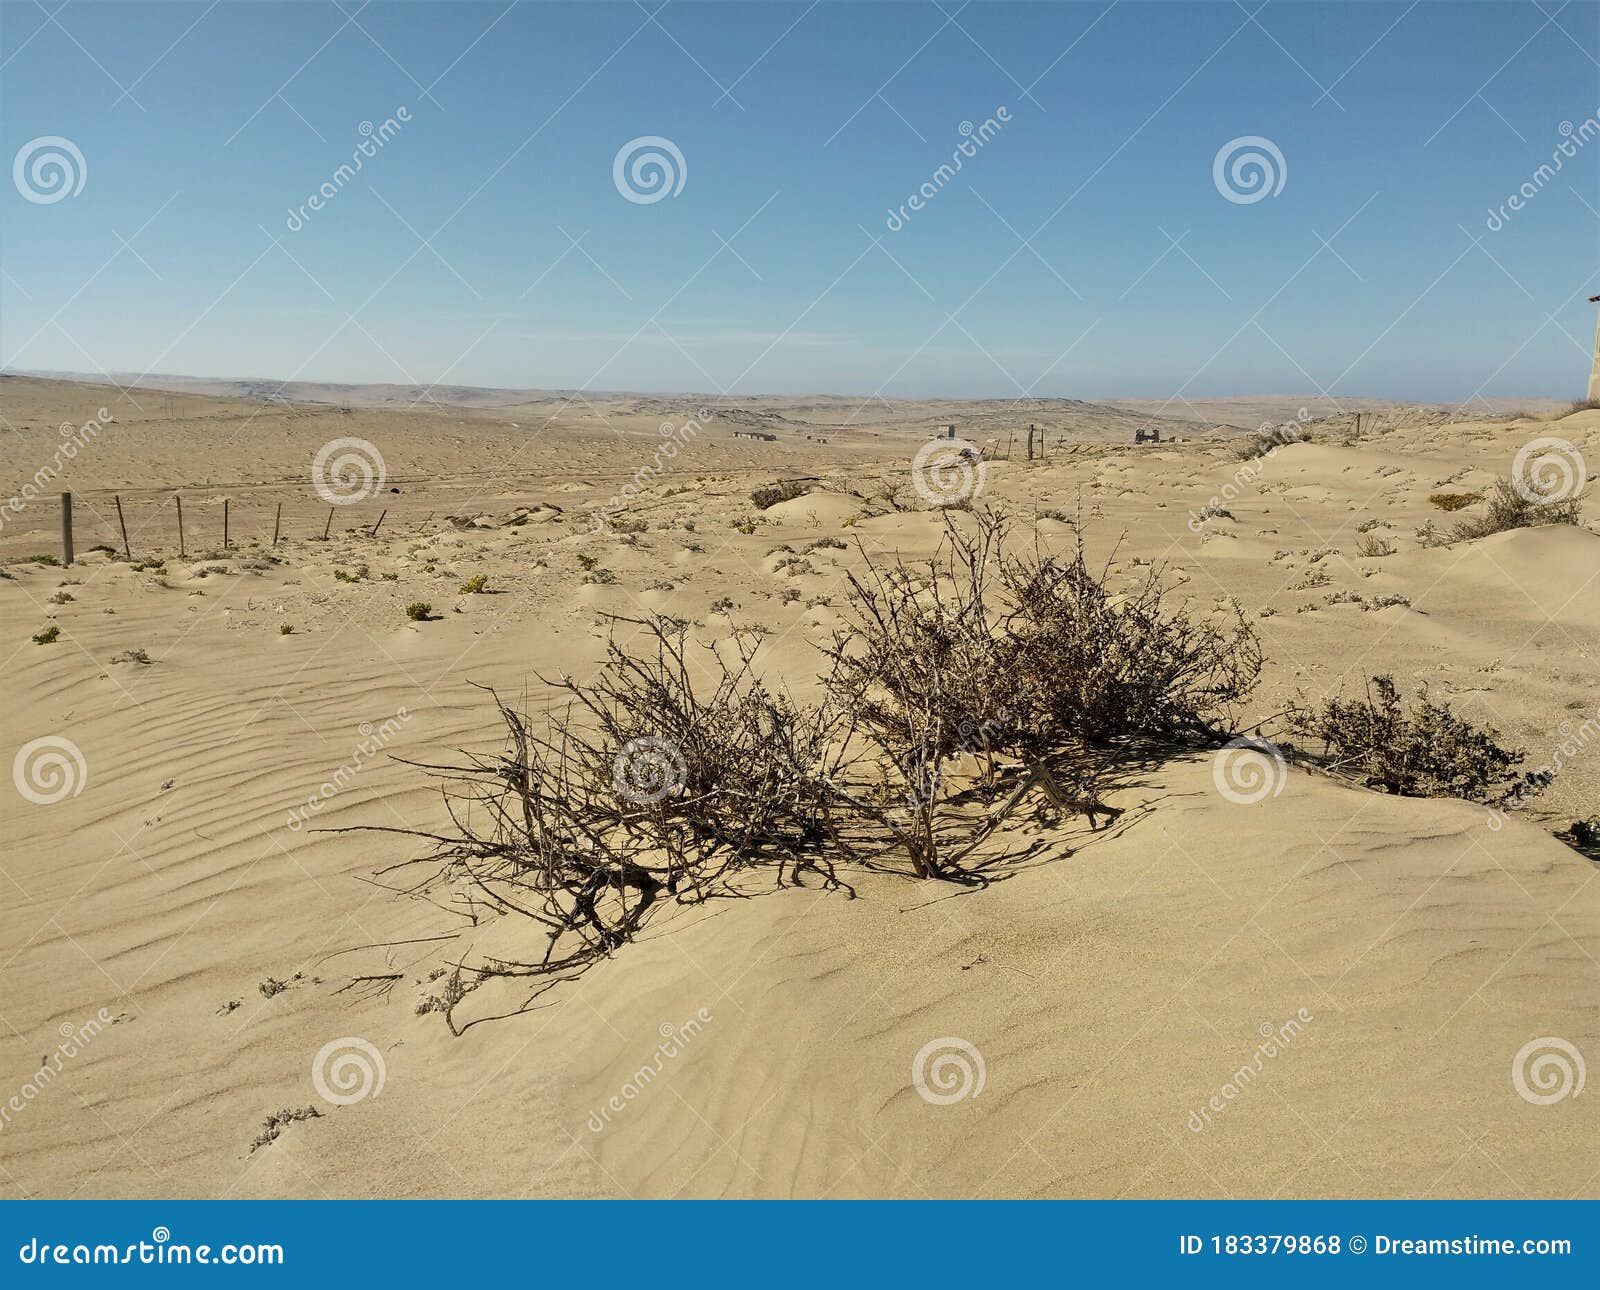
[956,688]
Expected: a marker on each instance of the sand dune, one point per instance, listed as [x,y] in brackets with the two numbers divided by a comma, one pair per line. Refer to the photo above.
[1112,984]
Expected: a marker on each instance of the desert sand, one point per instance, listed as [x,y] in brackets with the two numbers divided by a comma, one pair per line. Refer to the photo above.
[1112,985]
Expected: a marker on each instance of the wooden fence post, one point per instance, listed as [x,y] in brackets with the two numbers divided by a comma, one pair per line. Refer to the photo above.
[326,528]
[66,528]
[276,522]
[181,552]
[374,532]
[124,523]
[224,523]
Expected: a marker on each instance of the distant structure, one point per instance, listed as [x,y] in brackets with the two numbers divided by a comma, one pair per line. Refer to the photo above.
[945,430]
[760,435]
[1594,367]
[1147,434]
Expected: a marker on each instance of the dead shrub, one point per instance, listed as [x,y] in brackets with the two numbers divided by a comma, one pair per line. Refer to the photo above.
[642,789]
[1033,658]
[1511,508]
[645,787]
[782,491]
[1425,750]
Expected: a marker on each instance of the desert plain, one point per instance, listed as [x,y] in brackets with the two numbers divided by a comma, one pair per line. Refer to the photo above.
[182,914]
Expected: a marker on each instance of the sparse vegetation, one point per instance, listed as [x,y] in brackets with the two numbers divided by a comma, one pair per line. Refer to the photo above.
[647,787]
[474,585]
[1454,501]
[274,1125]
[1510,508]
[47,636]
[782,491]
[418,611]
[1424,750]
[1372,547]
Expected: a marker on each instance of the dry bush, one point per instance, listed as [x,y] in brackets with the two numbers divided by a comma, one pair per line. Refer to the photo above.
[1032,658]
[1425,750]
[1373,547]
[921,670]
[1268,440]
[1510,509]
[783,491]
[646,787]
[641,790]
[1582,405]
[1454,501]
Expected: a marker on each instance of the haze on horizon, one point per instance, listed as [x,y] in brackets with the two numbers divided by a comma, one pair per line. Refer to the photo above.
[1167,202]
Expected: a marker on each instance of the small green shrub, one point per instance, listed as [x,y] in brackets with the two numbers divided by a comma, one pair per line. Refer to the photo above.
[418,610]
[48,636]
[474,585]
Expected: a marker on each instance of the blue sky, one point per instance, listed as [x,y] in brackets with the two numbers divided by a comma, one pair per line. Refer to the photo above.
[1085,250]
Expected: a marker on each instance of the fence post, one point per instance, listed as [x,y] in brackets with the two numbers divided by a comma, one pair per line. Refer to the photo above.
[326,528]
[276,521]
[124,524]
[224,523]
[66,528]
[374,532]
[181,552]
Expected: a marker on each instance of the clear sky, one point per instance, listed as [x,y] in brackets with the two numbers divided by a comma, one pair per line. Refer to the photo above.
[1085,249]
